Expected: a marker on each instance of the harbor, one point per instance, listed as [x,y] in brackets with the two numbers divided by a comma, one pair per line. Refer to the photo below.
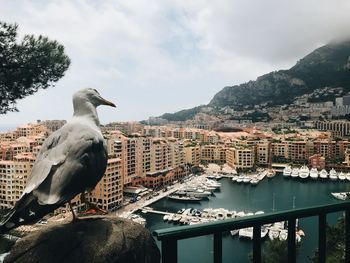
[273,194]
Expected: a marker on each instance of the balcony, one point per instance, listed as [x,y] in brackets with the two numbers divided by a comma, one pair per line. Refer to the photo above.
[170,236]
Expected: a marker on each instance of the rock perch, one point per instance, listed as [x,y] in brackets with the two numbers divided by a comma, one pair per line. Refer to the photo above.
[96,239]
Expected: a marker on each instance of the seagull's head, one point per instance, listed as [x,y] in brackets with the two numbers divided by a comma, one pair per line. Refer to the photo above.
[90,96]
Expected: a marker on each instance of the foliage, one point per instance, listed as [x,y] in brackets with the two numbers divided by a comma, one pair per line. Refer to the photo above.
[275,251]
[335,243]
[27,66]
[182,115]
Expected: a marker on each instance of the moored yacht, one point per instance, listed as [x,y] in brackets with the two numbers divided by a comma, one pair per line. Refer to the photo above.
[287,171]
[333,174]
[341,176]
[254,181]
[270,173]
[314,173]
[323,174]
[341,195]
[295,172]
[348,176]
[246,179]
[304,172]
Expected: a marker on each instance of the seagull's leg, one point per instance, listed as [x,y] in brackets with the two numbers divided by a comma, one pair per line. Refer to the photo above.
[91,205]
[75,218]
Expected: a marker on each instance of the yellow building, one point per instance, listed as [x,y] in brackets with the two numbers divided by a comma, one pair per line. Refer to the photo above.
[240,157]
[192,155]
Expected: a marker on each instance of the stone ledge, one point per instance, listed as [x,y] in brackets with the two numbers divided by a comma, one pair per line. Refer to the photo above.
[93,239]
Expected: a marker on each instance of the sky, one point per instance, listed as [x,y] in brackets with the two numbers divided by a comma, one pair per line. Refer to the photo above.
[151,57]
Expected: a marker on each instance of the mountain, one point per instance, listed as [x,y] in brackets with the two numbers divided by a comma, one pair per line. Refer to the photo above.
[327,66]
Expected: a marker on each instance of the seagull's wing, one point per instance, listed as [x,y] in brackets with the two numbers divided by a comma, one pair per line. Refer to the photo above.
[71,161]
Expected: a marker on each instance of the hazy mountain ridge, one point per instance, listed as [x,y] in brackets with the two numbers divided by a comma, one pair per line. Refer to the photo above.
[327,66]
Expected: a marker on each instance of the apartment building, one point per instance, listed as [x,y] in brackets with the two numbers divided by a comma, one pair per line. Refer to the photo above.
[213,153]
[108,193]
[299,150]
[30,129]
[13,179]
[317,161]
[263,153]
[192,155]
[240,157]
[339,128]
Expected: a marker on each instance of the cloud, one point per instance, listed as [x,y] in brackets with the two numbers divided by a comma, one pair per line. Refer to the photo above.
[155,56]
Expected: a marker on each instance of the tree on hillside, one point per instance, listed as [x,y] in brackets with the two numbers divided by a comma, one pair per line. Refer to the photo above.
[27,65]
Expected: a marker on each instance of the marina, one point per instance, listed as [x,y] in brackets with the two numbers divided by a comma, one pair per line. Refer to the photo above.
[274,194]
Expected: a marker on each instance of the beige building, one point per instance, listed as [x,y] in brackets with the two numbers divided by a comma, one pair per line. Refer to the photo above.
[240,157]
[213,153]
[13,179]
[108,193]
[263,153]
[192,155]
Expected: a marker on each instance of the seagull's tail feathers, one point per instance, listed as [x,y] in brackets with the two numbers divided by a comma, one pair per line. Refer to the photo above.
[26,211]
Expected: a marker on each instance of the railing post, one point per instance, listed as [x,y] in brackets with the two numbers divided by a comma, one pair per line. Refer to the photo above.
[347,235]
[322,238]
[217,247]
[169,251]
[291,241]
[257,244]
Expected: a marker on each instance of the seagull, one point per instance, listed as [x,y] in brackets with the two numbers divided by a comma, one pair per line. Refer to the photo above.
[72,161]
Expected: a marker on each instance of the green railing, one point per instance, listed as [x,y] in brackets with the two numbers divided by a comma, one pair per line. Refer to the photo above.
[170,236]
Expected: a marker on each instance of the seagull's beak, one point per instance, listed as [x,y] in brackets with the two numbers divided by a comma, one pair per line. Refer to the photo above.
[108,103]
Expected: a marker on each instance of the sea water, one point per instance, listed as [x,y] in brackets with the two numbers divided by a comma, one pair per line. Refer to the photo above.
[274,194]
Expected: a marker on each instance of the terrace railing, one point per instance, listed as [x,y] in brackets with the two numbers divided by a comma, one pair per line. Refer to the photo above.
[170,236]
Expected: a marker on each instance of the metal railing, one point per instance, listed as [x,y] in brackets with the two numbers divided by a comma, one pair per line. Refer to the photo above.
[170,236]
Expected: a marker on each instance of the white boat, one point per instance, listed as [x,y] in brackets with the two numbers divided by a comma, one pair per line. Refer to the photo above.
[323,174]
[283,234]
[240,214]
[254,181]
[264,231]
[246,179]
[304,172]
[274,233]
[170,218]
[176,218]
[234,178]
[234,232]
[262,175]
[183,220]
[231,214]
[270,173]
[221,215]
[341,176]
[195,221]
[165,217]
[348,176]
[184,198]
[287,171]
[295,173]
[341,195]
[246,232]
[314,173]
[333,174]
[137,219]
[239,179]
